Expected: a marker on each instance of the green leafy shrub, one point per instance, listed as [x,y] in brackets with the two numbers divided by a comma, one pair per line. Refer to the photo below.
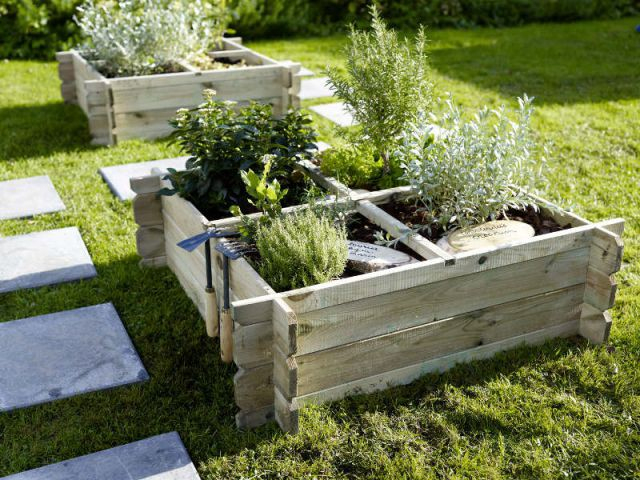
[301,249]
[464,172]
[223,141]
[141,37]
[36,28]
[387,83]
[355,167]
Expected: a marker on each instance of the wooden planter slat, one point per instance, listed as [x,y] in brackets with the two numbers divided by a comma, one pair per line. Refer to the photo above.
[408,374]
[364,333]
[140,107]
[397,229]
[346,363]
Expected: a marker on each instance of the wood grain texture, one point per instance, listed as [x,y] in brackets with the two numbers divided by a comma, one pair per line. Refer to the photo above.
[595,325]
[147,209]
[253,387]
[345,363]
[401,278]
[406,375]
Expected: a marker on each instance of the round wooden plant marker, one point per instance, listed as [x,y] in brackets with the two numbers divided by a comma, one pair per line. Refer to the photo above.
[486,235]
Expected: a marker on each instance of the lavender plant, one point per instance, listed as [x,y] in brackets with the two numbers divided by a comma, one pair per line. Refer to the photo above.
[465,172]
[141,37]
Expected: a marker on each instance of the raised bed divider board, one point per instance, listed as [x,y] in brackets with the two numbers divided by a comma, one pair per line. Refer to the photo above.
[140,107]
[371,331]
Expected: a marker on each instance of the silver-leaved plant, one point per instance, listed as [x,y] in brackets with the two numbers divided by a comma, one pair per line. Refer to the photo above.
[141,37]
[464,172]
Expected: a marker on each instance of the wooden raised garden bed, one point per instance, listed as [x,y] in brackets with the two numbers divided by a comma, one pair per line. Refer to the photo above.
[140,107]
[368,332]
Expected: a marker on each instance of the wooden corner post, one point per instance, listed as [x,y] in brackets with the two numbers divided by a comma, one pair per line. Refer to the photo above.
[285,368]
[605,259]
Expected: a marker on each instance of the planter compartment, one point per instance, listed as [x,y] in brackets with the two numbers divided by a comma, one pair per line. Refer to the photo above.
[140,107]
[372,331]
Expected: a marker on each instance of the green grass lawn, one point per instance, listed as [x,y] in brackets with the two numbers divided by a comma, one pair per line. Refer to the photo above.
[563,410]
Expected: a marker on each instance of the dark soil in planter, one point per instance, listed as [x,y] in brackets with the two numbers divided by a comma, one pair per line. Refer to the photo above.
[408,214]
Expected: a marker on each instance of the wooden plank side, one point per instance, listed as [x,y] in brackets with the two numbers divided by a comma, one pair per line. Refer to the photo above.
[395,311]
[253,344]
[150,241]
[401,278]
[406,375]
[285,373]
[595,325]
[606,251]
[600,291]
[253,388]
[191,286]
[252,310]
[286,412]
[184,78]
[147,209]
[329,368]
[285,327]
[173,97]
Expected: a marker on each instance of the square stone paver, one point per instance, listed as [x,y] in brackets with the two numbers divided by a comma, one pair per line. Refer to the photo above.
[315,88]
[162,457]
[336,112]
[117,176]
[43,258]
[63,354]
[26,197]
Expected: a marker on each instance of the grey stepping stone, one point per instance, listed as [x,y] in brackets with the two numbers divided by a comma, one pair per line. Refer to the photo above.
[63,354]
[315,88]
[322,146]
[336,112]
[117,176]
[43,258]
[26,197]
[305,72]
[162,457]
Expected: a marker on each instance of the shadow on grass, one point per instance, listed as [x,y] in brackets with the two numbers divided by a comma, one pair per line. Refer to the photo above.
[190,390]
[589,62]
[42,130]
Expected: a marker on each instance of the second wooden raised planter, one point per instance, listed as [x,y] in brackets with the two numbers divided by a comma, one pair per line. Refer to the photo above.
[375,330]
[140,107]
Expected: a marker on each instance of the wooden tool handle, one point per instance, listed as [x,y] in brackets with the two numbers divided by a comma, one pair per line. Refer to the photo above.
[226,336]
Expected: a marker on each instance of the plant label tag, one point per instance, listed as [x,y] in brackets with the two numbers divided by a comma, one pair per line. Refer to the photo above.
[486,235]
[369,257]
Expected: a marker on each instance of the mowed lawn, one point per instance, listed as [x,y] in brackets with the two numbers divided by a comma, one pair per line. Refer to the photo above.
[564,410]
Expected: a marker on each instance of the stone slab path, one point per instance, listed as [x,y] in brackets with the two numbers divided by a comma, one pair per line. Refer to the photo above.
[63,354]
[43,258]
[336,112]
[315,88]
[26,197]
[117,176]
[162,457]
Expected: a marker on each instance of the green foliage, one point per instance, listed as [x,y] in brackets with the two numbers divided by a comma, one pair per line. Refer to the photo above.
[562,410]
[142,37]
[36,28]
[266,196]
[301,249]
[464,172]
[354,166]
[387,83]
[224,141]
